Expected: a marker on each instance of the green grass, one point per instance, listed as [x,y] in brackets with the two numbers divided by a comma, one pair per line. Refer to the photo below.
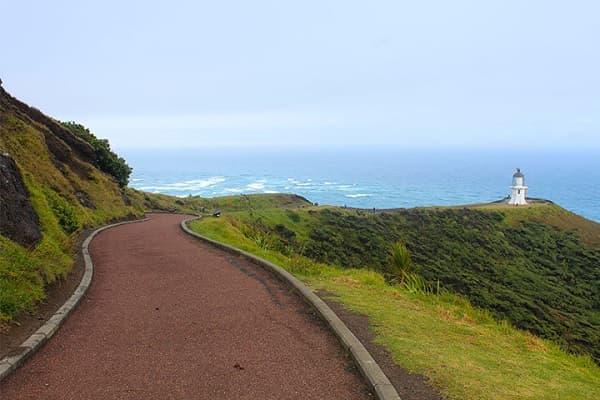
[25,273]
[463,351]
[193,204]
[514,262]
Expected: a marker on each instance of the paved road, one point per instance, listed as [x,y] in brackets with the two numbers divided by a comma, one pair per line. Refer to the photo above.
[168,317]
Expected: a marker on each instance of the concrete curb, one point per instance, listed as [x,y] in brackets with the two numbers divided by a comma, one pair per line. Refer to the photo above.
[45,332]
[368,367]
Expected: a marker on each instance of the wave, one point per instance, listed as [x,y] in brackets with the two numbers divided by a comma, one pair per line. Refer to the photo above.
[256,186]
[357,195]
[213,180]
[185,186]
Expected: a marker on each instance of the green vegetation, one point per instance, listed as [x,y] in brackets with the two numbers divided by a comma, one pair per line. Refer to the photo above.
[67,195]
[540,278]
[400,264]
[465,352]
[63,211]
[106,159]
[194,204]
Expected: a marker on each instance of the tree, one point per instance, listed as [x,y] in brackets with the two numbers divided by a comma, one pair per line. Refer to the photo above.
[107,160]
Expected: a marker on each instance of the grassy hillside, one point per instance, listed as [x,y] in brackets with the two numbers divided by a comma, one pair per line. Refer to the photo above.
[519,264]
[67,191]
[194,204]
[463,349]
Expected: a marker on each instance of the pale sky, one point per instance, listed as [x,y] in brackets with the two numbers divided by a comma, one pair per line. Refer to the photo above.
[395,73]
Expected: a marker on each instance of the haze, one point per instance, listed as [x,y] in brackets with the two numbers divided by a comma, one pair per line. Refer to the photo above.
[311,73]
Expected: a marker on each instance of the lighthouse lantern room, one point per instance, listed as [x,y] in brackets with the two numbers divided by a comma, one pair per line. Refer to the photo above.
[518,195]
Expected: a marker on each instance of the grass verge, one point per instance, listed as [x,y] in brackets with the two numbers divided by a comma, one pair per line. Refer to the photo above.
[463,351]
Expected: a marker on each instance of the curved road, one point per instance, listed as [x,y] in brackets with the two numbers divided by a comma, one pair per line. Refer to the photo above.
[168,317]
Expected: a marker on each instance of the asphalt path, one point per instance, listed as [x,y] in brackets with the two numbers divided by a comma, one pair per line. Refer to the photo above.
[169,317]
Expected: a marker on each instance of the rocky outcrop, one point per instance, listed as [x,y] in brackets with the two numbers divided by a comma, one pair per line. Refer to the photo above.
[18,220]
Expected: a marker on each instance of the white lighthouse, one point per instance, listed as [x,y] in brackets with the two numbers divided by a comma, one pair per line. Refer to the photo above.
[518,189]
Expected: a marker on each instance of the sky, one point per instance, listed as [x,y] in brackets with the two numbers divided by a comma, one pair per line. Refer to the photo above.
[148,74]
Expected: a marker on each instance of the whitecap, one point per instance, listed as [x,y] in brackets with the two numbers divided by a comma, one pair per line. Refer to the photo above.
[213,180]
[256,186]
[154,189]
[353,196]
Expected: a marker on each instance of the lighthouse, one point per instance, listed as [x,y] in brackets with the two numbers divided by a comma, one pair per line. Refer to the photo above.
[518,190]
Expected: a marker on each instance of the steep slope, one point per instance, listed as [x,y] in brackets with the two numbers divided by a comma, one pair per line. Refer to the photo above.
[47,166]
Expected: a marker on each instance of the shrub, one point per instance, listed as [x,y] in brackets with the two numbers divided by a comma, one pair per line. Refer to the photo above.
[107,160]
[64,212]
[400,263]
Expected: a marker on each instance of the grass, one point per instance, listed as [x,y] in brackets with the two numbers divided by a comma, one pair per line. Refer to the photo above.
[24,273]
[193,204]
[508,260]
[465,352]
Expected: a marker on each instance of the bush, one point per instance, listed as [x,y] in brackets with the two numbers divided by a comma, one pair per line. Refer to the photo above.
[64,212]
[107,160]
[400,263]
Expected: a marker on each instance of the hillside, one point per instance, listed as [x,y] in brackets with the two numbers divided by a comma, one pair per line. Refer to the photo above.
[54,183]
[194,204]
[467,352]
[537,267]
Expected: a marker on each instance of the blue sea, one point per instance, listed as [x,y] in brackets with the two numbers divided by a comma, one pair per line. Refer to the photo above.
[373,177]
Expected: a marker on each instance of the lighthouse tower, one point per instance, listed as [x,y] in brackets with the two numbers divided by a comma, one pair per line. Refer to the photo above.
[518,190]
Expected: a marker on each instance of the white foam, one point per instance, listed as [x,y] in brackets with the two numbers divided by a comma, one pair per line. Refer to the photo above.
[256,186]
[213,180]
[354,196]
[185,186]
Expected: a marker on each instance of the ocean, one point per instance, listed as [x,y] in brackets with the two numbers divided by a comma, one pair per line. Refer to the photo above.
[372,177]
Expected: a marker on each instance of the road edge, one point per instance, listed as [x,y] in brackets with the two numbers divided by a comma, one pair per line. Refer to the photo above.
[367,366]
[37,340]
